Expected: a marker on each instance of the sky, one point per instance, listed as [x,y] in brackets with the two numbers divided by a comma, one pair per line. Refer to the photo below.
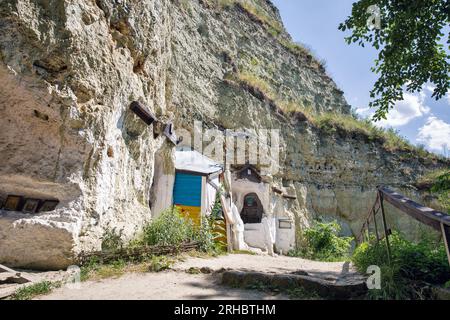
[418,118]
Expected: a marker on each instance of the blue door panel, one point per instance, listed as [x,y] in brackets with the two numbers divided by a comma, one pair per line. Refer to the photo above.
[187,190]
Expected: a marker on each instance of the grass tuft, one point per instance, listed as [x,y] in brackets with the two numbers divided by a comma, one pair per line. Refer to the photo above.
[34,290]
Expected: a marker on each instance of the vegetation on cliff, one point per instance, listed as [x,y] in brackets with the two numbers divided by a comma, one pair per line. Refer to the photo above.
[273,27]
[328,122]
[438,183]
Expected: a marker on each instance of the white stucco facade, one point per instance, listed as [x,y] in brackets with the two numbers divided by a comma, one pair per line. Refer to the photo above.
[274,206]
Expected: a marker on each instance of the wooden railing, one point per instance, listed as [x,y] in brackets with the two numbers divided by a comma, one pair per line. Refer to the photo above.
[433,218]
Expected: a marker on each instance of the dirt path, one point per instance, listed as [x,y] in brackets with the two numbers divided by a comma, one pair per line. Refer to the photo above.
[158,286]
[264,263]
[178,284]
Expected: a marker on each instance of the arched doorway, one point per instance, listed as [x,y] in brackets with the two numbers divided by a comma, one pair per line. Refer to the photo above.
[252,210]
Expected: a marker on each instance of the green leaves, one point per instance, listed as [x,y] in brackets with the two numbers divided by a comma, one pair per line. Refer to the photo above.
[170,228]
[412,262]
[322,242]
[410,45]
[173,229]
[441,188]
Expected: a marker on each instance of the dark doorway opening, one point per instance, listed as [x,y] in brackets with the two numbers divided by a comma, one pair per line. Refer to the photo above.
[252,210]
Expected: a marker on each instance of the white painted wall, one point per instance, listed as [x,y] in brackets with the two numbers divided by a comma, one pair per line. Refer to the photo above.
[285,238]
[209,197]
[254,235]
[240,188]
[254,232]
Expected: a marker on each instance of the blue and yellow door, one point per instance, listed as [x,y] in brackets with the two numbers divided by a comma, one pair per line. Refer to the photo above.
[187,196]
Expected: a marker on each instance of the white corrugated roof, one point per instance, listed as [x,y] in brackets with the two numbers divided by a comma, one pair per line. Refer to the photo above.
[193,161]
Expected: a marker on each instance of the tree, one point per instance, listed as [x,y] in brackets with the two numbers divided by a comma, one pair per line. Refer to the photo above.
[411,41]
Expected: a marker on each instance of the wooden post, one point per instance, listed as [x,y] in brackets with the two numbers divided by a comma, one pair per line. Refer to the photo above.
[386,232]
[446,238]
[362,235]
[376,225]
[368,230]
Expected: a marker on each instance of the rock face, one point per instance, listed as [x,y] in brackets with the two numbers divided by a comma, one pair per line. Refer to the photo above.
[70,69]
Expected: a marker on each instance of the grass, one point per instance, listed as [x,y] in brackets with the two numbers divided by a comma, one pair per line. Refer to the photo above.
[258,83]
[96,270]
[252,9]
[270,23]
[273,27]
[302,50]
[34,290]
[438,182]
[413,266]
[431,177]
[332,122]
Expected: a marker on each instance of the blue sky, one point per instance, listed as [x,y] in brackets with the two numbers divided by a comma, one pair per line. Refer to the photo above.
[418,118]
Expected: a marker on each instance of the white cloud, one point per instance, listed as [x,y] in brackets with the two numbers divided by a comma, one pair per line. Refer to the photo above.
[430,88]
[435,134]
[364,112]
[411,107]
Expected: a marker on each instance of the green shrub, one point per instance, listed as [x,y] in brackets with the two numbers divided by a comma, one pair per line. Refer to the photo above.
[447,285]
[412,263]
[112,240]
[205,236]
[217,210]
[322,242]
[170,228]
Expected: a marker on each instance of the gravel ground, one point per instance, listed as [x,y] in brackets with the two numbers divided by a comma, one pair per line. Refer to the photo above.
[179,285]
[158,286]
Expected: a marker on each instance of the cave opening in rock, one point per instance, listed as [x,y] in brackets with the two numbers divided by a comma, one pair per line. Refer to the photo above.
[252,210]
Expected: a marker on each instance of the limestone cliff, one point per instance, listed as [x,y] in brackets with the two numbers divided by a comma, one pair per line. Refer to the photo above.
[69,70]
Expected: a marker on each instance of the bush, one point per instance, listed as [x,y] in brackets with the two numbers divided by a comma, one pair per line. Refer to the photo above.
[169,229]
[322,242]
[112,240]
[205,236]
[412,263]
